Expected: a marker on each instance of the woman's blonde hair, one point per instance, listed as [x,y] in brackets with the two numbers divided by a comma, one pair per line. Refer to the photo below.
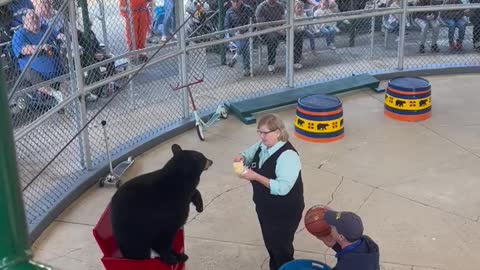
[273,122]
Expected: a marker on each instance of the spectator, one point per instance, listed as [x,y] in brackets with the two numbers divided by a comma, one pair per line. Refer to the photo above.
[455,19]
[326,29]
[47,65]
[270,11]
[140,19]
[394,19]
[238,15]
[427,20]
[168,19]
[350,26]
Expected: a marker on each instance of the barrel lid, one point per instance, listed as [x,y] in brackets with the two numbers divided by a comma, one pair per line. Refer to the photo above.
[319,103]
[409,84]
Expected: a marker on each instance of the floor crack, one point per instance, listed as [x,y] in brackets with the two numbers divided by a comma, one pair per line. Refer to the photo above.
[332,196]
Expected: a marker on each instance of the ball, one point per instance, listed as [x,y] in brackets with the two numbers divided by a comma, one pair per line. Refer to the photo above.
[315,222]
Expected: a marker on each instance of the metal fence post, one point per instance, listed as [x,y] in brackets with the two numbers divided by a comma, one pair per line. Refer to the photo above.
[80,85]
[290,43]
[182,65]
[14,251]
[401,43]
[74,87]
[250,46]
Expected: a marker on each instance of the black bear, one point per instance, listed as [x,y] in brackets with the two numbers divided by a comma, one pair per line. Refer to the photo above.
[423,102]
[399,103]
[300,122]
[322,126]
[148,210]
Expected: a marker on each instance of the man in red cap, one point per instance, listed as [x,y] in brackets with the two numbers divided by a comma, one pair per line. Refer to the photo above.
[355,251]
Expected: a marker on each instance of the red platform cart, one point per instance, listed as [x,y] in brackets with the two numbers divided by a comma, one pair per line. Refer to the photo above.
[112,258]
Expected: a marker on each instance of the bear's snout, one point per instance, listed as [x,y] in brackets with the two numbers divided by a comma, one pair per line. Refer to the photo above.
[208,164]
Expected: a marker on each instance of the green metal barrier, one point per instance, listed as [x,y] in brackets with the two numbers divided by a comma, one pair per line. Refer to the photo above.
[14,251]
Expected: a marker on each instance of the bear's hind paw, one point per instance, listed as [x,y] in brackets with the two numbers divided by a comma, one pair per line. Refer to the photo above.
[181,257]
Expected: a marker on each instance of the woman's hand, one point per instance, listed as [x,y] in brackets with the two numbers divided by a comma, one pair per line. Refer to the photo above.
[328,240]
[249,175]
[238,158]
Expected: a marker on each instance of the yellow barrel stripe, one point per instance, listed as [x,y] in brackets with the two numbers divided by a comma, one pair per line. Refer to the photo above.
[408,104]
[319,126]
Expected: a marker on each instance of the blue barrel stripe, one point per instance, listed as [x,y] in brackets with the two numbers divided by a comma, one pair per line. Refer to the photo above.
[418,112]
[408,97]
[319,135]
[319,118]
[409,84]
[305,108]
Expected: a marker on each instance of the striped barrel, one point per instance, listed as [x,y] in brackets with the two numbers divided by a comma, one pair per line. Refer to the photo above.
[319,118]
[408,99]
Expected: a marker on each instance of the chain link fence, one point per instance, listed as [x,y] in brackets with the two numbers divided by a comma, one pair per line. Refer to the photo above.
[235,49]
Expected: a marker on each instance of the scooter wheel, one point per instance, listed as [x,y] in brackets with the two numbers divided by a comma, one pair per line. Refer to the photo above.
[101,183]
[224,113]
[22,102]
[200,132]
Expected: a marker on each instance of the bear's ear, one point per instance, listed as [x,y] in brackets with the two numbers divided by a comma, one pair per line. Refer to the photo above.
[176,149]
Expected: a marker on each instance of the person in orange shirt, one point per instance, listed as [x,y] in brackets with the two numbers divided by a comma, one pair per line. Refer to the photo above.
[140,21]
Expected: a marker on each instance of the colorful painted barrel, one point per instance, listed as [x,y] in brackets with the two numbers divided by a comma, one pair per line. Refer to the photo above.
[319,118]
[408,99]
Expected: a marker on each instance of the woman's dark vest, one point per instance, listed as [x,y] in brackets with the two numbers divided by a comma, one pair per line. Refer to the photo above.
[264,201]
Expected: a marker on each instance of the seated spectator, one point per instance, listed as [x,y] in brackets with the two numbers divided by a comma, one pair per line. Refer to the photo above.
[455,19]
[427,20]
[394,19]
[47,65]
[238,15]
[350,26]
[270,11]
[326,29]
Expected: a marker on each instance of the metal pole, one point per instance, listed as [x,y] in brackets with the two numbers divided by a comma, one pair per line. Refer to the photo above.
[132,46]
[80,85]
[250,47]
[372,43]
[14,251]
[290,43]
[401,43]
[182,65]
[221,18]
[73,78]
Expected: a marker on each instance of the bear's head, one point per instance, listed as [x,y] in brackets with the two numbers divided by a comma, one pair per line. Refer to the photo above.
[189,161]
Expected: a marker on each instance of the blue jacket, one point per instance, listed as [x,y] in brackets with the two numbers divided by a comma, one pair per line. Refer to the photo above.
[364,256]
[235,18]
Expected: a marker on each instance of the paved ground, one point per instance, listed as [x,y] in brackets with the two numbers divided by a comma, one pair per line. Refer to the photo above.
[414,184]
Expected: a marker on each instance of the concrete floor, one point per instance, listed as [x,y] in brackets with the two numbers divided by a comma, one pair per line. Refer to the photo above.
[414,184]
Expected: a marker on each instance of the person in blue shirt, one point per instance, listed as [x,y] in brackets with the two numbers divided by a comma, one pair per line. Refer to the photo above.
[275,173]
[47,65]
[239,15]
[354,250]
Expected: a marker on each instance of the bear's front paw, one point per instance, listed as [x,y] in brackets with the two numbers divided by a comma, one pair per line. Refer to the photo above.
[181,257]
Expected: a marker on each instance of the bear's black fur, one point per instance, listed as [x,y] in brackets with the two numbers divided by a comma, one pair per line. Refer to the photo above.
[148,211]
